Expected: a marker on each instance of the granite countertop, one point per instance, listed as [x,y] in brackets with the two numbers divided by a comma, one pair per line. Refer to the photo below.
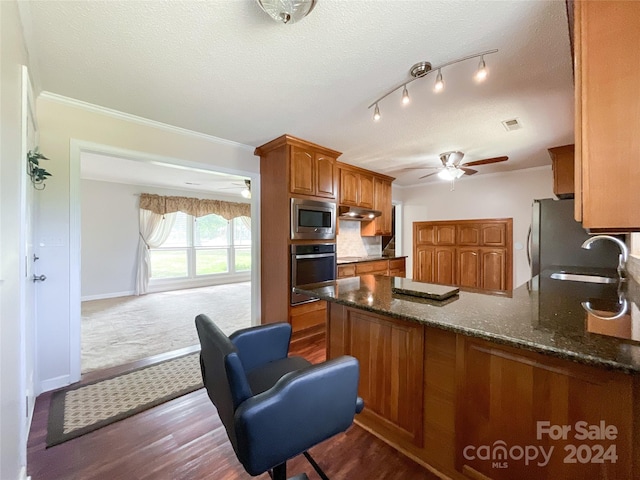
[544,315]
[345,260]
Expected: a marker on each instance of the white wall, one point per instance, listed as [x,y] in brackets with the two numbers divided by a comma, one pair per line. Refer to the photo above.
[13,432]
[110,236]
[500,195]
[63,124]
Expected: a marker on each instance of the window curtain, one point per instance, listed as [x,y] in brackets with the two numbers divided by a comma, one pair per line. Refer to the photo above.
[246,221]
[197,207]
[154,229]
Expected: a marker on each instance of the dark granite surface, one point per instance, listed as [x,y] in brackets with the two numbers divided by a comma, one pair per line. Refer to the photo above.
[544,315]
[345,260]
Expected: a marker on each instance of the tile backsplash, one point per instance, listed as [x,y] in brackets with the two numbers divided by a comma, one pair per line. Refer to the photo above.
[351,244]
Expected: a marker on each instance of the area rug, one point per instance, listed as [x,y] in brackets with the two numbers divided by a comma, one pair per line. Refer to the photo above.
[76,411]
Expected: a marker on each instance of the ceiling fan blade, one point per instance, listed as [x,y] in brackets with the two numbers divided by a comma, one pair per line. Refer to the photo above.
[419,168]
[468,171]
[428,175]
[486,161]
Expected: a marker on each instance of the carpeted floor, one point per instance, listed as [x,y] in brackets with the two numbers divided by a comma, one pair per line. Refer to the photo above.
[121,330]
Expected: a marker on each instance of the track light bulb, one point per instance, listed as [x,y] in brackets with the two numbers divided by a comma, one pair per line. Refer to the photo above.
[405,96]
[376,113]
[482,72]
[246,193]
[439,86]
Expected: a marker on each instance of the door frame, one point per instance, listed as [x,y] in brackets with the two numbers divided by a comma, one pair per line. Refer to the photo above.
[76,149]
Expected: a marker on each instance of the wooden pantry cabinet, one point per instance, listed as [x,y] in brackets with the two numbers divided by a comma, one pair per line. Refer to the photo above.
[607,106]
[290,167]
[475,254]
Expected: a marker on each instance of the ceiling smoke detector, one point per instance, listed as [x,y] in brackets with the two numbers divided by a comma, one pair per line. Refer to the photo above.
[287,11]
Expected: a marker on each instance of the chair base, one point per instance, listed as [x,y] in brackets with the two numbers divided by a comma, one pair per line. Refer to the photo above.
[280,472]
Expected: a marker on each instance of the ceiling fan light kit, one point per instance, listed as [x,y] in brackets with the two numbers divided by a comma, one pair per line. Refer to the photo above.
[287,11]
[423,69]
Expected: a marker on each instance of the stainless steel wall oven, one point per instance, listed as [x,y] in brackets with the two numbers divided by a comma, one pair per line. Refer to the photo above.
[311,263]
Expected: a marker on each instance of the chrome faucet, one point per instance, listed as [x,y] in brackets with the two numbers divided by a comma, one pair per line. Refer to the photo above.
[622,258]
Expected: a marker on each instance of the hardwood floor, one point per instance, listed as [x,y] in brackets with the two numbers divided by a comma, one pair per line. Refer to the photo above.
[184,439]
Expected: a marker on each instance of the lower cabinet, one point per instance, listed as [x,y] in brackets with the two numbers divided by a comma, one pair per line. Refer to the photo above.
[308,317]
[395,267]
[474,409]
[508,398]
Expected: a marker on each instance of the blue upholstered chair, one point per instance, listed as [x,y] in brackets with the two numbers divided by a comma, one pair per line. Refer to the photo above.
[274,407]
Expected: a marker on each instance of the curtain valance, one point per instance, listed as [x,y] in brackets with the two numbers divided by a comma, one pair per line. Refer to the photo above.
[198,207]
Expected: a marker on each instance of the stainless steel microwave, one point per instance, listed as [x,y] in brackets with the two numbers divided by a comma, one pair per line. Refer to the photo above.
[312,220]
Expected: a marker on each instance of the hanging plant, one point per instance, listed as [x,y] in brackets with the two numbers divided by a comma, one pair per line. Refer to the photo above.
[36,172]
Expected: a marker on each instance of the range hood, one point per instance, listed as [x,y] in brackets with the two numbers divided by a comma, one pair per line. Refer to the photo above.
[356,213]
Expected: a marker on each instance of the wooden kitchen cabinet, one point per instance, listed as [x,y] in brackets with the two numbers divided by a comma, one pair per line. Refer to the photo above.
[289,168]
[468,259]
[356,187]
[607,147]
[312,173]
[468,253]
[394,267]
[381,201]
[562,162]
[503,392]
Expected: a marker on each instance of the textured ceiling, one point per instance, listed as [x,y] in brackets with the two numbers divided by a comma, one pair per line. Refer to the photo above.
[226,69]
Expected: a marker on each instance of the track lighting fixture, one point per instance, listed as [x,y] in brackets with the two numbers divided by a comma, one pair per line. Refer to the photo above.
[422,69]
[481,73]
[439,83]
[405,96]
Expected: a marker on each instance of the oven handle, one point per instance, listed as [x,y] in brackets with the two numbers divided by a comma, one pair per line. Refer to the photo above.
[315,255]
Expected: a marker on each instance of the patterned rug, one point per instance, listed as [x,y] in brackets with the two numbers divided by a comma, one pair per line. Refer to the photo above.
[78,410]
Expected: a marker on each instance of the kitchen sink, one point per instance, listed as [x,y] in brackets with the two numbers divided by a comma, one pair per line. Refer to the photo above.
[582,277]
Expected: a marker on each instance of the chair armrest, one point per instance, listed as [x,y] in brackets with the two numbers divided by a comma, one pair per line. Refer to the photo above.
[301,410]
[263,344]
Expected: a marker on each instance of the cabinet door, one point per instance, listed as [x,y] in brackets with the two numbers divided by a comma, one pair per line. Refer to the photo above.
[562,159]
[325,176]
[494,235]
[493,270]
[424,263]
[424,234]
[348,187]
[302,171]
[607,85]
[365,199]
[468,267]
[445,268]
[446,235]
[468,234]
[382,202]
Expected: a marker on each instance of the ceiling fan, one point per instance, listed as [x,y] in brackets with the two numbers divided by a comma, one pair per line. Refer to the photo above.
[245,192]
[453,168]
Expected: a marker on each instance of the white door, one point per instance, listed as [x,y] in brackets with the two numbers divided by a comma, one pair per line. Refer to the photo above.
[29,214]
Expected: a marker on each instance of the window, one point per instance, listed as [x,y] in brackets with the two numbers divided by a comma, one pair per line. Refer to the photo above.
[198,247]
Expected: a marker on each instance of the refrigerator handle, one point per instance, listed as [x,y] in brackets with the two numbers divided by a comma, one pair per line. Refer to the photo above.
[529,246]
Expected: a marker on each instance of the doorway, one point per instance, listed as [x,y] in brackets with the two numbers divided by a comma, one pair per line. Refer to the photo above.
[102,284]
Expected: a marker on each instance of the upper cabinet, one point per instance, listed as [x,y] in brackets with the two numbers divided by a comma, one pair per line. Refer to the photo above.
[607,36]
[312,173]
[366,189]
[356,187]
[562,160]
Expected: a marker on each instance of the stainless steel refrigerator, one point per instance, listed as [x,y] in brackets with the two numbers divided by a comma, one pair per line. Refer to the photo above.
[556,240]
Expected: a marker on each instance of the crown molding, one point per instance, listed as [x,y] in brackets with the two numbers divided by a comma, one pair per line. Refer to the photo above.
[90,107]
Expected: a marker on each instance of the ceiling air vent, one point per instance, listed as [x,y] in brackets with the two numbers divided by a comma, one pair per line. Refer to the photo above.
[511,125]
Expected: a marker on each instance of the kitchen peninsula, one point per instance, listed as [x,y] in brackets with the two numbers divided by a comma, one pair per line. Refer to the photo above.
[465,385]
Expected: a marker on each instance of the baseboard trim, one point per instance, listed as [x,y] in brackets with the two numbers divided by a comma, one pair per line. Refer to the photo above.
[102,296]
[54,383]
